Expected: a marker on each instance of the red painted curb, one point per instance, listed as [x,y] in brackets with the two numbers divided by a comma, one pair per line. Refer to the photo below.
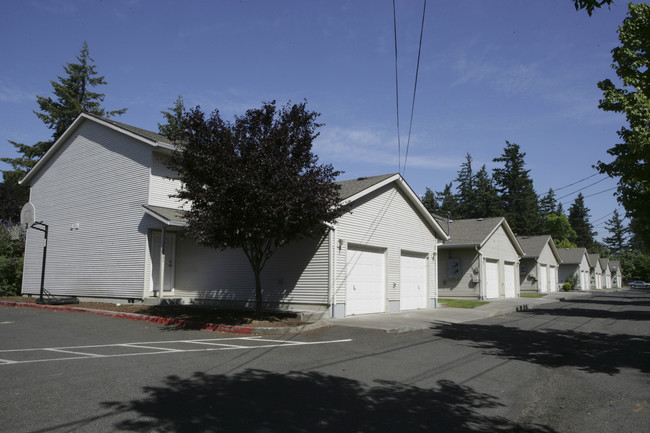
[142,317]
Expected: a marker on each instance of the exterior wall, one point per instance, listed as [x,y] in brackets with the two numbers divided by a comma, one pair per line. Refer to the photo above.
[91,194]
[385,219]
[606,278]
[163,183]
[529,275]
[499,247]
[469,267]
[296,273]
[565,270]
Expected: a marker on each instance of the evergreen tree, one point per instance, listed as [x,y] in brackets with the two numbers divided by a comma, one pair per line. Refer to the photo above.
[173,118]
[72,95]
[579,220]
[486,196]
[518,197]
[619,234]
[466,190]
[447,202]
[429,201]
[548,204]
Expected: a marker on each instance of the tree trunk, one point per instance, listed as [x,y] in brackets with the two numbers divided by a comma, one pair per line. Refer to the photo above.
[258,290]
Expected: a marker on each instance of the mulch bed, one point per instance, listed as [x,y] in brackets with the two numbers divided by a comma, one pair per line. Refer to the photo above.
[190,313]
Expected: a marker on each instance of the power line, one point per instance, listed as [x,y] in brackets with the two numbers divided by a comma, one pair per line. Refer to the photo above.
[591,195]
[415,86]
[399,146]
[571,184]
[584,187]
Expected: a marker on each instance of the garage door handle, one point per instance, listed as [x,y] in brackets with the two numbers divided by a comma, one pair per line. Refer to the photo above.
[354,287]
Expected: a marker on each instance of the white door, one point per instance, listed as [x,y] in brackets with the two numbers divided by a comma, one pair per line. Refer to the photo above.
[585,281]
[553,279]
[491,279]
[413,282]
[366,282]
[543,286]
[170,248]
[510,289]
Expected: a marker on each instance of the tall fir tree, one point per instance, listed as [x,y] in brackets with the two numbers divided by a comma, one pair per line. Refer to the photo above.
[548,203]
[579,220]
[173,117]
[72,95]
[515,187]
[619,234]
[488,203]
[466,189]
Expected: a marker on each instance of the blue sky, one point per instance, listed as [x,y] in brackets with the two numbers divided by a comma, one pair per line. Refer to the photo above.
[490,71]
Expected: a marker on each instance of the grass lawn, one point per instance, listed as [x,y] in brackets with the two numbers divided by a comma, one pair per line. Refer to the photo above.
[462,303]
[531,295]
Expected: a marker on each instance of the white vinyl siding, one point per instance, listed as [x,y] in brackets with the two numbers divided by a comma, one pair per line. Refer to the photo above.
[91,194]
[297,273]
[385,219]
[164,182]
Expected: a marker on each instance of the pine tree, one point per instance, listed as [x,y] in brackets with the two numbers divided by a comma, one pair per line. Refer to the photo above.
[173,118]
[488,203]
[619,234]
[72,95]
[429,201]
[579,220]
[548,204]
[466,190]
[515,187]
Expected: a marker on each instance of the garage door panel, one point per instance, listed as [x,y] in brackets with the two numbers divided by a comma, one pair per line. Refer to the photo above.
[413,282]
[510,289]
[491,279]
[366,281]
[542,279]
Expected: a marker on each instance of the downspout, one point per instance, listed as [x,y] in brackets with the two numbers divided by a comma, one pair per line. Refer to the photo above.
[481,280]
[331,289]
[162,264]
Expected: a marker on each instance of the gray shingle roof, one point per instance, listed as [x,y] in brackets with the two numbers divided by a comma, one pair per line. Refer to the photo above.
[533,245]
[355,186]
[593,259]
[614,265]
[470,231]
[138,131]
[172,216]
[603,262]
[571,255]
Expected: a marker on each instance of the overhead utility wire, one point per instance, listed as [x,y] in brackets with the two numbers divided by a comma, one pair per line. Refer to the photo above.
[596,193]
[571,184]
[584,187]
[415,86]
[399,146]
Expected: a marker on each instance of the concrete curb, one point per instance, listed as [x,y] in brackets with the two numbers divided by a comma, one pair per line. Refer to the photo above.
[186,324]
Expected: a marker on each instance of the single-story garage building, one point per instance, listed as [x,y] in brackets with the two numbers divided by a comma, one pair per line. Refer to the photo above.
[479,260]
[539,266]
[575,261]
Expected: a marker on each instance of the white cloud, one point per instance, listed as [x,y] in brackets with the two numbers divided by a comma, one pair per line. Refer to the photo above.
[12,93]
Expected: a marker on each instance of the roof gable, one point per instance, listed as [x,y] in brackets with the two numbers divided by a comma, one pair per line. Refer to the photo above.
[142,135]
[355,189]
[534,245]
[476,232]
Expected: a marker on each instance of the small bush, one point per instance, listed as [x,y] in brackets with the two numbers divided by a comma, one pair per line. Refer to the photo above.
[566,287]
[12,247]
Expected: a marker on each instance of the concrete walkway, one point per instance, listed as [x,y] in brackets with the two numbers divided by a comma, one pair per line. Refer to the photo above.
[422,319]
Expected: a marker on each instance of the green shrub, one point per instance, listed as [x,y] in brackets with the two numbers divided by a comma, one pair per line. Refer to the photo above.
[12,247]
[566,287]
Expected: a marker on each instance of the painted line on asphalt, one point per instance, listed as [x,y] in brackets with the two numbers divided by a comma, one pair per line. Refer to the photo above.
[150,348]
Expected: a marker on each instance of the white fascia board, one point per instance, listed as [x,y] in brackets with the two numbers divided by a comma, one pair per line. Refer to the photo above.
[68,132]
[164,220]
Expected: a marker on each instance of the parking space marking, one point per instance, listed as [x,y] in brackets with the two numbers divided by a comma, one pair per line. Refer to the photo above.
[43,354]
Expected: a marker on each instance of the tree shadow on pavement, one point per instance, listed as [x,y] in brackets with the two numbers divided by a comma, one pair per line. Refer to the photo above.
[610,300]
[592,314]
[263,401]
[589,351]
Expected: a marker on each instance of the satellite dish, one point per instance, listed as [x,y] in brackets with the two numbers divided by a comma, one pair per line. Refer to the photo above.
[27,215]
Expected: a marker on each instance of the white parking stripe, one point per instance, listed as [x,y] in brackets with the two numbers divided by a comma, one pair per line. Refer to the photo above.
[150,348]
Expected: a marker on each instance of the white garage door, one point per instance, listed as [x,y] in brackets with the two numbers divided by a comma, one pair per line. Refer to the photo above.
[585,280]
[366,282]
[553,279]
[413,282]
[491,279]
[510,290]
[542,279]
